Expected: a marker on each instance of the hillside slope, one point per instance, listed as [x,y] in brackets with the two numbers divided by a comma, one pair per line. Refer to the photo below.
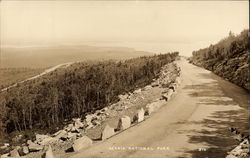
[229,59]
[10,76]
[48,101]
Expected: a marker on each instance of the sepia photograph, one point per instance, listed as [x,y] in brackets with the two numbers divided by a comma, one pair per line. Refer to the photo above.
[124,79]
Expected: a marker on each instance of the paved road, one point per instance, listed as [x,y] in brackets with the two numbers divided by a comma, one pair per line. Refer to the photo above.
[193,124]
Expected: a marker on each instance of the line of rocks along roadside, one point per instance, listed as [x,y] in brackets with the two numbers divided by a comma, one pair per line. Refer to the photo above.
[241,150]
[132,108]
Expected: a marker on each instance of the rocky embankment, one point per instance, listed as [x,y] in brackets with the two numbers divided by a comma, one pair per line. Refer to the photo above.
[235,69]
[133,108]
[229,58]
[241,150]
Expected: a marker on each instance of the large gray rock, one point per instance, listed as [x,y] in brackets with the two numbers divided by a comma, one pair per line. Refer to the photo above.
[124,123]
[245,141]
[231,156]
[5,155]
[178,80]
[75,130]
[25,150]
[107,132]
[154,106]
[48,140]
[62,134]
[40,137]
[123,97]
[236,151]
[82,143]
[45,139]
[137,91]
[149,109]
[88,119]
[33,146]
[89,125]
[48,152]
[14,153]
[69,127]
[6,145]
[96,122]
[155,84]
[139,115]
[71,135]
[148,87]
[173,86]
[78,124]
[167,96]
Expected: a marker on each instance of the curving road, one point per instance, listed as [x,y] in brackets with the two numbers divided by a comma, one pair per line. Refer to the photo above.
[194,123]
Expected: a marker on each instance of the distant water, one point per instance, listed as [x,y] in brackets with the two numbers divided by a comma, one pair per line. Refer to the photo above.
[154,47]
[157,47]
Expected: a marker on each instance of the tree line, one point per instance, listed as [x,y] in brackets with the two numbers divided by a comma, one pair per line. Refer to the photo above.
[229,58]
[47,102]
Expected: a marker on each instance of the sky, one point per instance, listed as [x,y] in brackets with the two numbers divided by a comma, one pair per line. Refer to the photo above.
[159,26]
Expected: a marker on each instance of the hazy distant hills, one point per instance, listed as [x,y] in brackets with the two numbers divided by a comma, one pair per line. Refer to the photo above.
[50,56]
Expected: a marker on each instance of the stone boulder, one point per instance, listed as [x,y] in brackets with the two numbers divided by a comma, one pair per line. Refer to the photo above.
[78,124]
[148,87]
[178,80]
[124,123]
[89,118]
[167,96]
[33,146]
[45,139]
[149,109]
[75,130]
[62,134]
[137,91]
[96,122]
[139,116]
[5,155]
[173,86]
[68,127]
[231,156]
[107,132]
[154,106]
[5,145]
[71,135]
[90,125]
[81,143]
[48,140]
[155,84]
[48,152]
[14,153]
[123,97]
[25,150]
[40,137]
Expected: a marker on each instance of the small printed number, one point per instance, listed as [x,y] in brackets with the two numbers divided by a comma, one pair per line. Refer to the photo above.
[202,149]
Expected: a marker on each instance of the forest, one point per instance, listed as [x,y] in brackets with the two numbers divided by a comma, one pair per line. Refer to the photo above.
[47,102]
[229,58]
